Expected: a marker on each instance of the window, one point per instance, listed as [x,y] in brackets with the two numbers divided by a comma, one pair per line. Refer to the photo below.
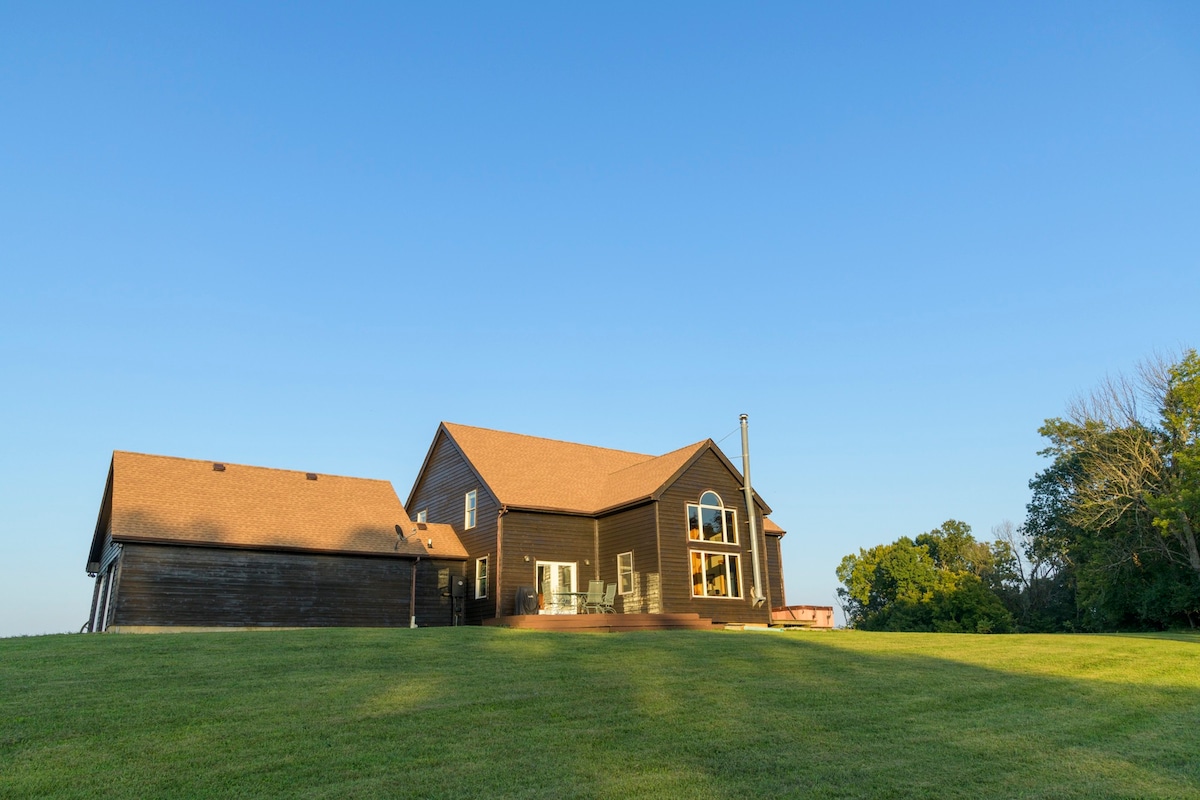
[481,578]
[469,510]
[423,515]
[711,521]
[715,574]
[625,573]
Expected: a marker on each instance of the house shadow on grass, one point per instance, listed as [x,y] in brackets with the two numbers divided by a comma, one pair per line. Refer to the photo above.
[698,714]
[474,712]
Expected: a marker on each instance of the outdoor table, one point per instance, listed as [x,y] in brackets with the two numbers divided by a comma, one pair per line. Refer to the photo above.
[577,599]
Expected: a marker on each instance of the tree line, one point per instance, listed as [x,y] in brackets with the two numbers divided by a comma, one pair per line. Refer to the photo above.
[1109,540]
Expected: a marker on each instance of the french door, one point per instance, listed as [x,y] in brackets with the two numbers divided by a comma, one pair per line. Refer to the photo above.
[556,585]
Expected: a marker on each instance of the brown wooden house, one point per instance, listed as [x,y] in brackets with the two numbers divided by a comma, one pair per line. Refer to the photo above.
[181,543]
[548,516]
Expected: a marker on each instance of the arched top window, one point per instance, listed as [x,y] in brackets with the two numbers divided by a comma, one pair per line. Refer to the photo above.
[710,521]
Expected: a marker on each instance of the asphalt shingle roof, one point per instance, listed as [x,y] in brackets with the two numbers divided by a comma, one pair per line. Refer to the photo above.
[187,501]
[532,472]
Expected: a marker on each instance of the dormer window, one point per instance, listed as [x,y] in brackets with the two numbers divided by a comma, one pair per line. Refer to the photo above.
[710,521]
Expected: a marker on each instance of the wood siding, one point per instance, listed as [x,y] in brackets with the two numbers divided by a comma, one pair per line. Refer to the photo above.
[707,472]
[164,585]
[440,490]
[434,607]
[774,554]
[544,537]
[632,531]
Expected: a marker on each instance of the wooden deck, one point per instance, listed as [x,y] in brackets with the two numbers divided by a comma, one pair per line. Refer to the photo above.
[604,623]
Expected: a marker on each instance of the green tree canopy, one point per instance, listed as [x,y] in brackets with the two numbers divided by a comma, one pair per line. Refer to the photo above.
[1118,507]
[945,580]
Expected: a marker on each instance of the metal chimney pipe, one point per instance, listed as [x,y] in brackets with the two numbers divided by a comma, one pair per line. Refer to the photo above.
[757,597]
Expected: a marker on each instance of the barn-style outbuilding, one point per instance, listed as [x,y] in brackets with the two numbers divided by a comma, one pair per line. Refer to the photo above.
[182,543]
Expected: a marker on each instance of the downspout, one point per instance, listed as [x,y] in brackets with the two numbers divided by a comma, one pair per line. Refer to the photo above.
[756,597]
[499,560]
[412,601]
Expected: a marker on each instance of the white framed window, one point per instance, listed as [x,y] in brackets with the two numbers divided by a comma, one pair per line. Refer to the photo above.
[625,573]
[710,521]
[716,574]
[423,515]
[469,510]
[481,578]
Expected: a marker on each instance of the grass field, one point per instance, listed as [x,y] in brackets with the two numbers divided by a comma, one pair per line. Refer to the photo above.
[684,714]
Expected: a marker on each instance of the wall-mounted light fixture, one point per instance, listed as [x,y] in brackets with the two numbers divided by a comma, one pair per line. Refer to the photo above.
[527,559]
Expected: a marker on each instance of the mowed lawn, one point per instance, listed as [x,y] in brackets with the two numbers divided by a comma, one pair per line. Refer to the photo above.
[478,713]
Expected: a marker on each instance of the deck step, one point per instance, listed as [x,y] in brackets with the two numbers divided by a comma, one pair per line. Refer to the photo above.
[606,623]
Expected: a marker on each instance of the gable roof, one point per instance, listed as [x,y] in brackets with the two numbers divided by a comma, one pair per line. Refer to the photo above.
[550,475]
[153,498]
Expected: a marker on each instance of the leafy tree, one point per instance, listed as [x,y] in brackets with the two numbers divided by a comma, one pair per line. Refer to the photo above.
[887,574]
[945,580]
[970,608]
[1116,512]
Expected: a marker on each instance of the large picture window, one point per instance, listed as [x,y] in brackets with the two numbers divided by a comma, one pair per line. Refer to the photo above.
[625,573]
[481,578]
[711,521]
[716,574]
[469,510]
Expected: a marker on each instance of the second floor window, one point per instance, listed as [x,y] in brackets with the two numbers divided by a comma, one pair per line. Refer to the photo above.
[423,516]
[469,510]
[711,521]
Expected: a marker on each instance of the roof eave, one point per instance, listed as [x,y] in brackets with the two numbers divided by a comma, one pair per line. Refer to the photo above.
[442,429]
[766,508]
[280,548]
[97,548]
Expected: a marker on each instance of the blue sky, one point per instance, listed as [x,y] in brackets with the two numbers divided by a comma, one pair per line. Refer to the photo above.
[299,235]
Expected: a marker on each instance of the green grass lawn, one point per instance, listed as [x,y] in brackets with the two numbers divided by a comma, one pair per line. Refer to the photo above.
[475,712]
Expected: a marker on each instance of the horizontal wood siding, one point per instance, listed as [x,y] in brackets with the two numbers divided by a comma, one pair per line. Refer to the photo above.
[199,586]
[544,537]
[440,491]
[632,531]
[111,552]
[434,608]
[708,472]
[775,572]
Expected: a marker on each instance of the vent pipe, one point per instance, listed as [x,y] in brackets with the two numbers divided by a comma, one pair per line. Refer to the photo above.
[757,597]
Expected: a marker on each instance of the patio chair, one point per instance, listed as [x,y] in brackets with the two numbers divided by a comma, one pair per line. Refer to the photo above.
[595,597]
[610,594]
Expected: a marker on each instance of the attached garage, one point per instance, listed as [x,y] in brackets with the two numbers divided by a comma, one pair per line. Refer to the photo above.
[188,544]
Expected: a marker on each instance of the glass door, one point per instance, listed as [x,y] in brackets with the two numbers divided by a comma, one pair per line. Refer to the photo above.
[556,587]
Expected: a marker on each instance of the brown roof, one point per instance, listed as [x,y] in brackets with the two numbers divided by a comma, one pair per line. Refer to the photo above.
[185,501]
[644,479]
[769,526]
[439,539]
[532,472]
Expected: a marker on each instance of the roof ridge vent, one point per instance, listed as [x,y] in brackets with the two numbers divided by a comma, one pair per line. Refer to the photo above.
[218,467]
[312,476]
